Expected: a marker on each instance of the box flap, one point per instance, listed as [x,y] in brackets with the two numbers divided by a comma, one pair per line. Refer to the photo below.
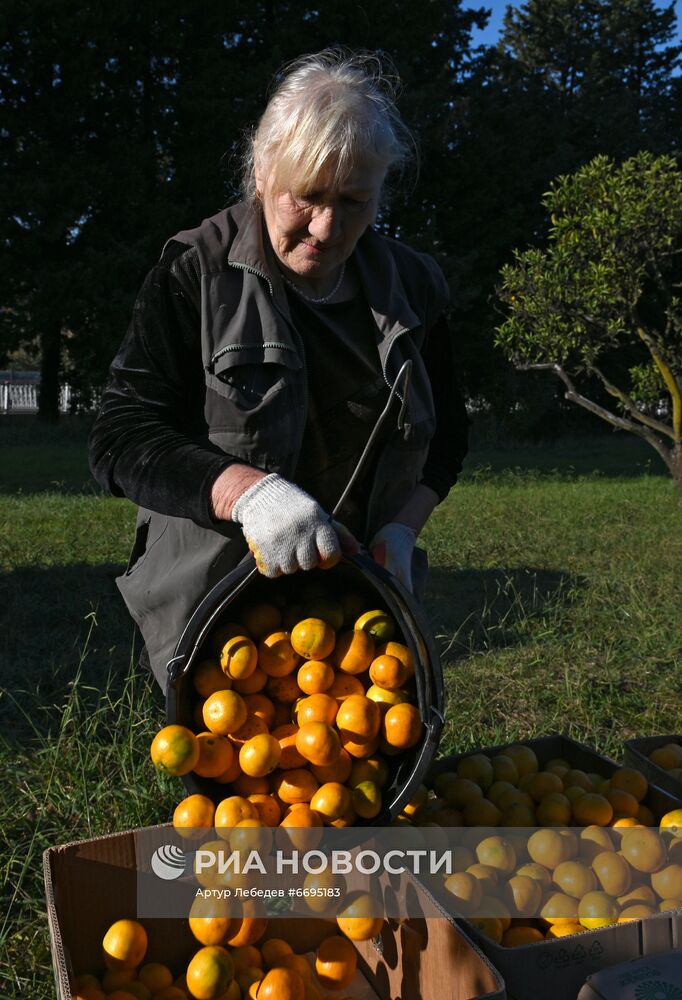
[652,977]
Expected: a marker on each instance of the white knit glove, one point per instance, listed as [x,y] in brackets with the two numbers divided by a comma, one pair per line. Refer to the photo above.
[286,529]
[392,548]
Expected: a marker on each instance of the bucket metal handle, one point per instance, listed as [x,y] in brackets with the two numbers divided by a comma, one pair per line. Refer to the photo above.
[404,375]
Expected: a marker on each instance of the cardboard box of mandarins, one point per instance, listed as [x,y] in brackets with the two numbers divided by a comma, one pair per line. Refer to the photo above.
[532,963]
[91,884]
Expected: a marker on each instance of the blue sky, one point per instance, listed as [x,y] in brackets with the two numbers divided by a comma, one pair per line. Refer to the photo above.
[498,7]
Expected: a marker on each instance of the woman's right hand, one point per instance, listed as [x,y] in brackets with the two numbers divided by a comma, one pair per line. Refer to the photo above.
[285,528]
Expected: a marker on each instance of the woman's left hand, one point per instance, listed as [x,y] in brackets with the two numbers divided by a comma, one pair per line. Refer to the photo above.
[392,548]
[393,545]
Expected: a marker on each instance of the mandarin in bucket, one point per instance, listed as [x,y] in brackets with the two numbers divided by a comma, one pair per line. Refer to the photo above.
[313,639]
[354,652]
[175,750]
[401,726]
[318,743]
[239,657]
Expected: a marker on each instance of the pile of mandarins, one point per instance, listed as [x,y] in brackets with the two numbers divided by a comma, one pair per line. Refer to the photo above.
[575,851]
[233,970]
[296,714]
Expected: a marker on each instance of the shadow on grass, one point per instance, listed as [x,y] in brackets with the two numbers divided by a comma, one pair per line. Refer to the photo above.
[53,623]
[474,610]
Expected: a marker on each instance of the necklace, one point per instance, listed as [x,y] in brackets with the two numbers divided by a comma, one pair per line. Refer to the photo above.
[324,298]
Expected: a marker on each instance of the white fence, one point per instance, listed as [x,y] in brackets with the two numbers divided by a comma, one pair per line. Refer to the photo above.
[23,398]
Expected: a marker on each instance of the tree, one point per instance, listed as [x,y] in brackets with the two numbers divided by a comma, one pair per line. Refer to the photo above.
[81,132]
[569,80]
[123,123]
[608,68]
[601,302]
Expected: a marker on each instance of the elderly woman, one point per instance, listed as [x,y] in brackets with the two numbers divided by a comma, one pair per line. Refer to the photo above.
[262,349]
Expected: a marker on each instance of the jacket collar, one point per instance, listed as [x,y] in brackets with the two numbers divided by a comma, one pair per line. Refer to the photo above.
[251,248]
[379,275]
[248,246]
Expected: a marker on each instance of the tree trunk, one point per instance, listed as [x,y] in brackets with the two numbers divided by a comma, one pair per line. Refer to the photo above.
[50,365]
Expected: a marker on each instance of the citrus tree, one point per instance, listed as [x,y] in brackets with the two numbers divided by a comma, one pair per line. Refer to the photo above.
[600,307]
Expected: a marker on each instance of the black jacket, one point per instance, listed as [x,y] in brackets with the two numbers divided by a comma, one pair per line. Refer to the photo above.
[172,417]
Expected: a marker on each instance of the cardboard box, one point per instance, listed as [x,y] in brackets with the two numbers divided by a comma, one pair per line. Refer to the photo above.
[92,883]
[558,969]
[421,959]
[658,976]
[636,754]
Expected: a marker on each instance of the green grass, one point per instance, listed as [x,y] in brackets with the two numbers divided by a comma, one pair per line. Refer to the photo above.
[39,458]
[555,596]
[559,607]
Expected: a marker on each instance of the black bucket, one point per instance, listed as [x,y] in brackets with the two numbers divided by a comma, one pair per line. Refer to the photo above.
[408,768]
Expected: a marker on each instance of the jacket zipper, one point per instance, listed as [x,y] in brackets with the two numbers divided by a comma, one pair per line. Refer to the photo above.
[242,347]
[373,488]
[396,337]
[253,270]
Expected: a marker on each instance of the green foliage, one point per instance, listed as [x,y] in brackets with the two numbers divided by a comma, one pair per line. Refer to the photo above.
[614,237]
[647,384]
[605,287]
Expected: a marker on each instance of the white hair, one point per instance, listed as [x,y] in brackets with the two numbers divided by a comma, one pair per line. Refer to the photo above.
[332,111]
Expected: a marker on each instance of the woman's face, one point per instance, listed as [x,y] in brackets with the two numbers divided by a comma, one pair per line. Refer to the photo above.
[313,234]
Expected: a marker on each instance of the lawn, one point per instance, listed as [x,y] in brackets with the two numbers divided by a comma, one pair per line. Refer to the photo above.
[555,596]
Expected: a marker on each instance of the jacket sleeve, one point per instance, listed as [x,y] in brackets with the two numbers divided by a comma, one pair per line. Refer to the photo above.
[150,441]
[449,444]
